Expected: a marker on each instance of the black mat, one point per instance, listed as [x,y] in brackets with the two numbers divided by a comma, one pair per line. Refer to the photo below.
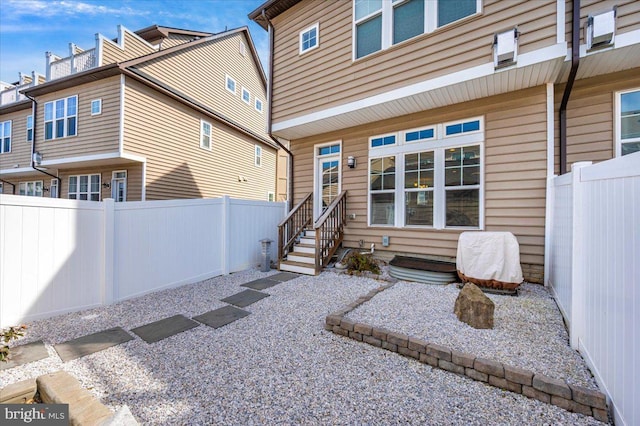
[86,345]
[164,328]
[22,354]
[283,276]
[245,298]
[220,317]
[261,284]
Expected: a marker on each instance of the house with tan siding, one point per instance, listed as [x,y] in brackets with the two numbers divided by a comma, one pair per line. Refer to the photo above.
[160,113]
[411,121]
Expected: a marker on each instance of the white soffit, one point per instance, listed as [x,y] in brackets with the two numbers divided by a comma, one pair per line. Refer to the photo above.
[533,69]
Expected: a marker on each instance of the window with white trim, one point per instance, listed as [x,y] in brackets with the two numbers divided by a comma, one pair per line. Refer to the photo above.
[379,24]
[258,156]
[96,107]
[119,185]
[271,196]
[428,177]
[258,105]
[230,84]
[242,48]
[205,135]
[29,128]
[628,122]
[309,38]
[53,188]
[84,187]
[33,188]
[246,96]
[5,137]
[60,118]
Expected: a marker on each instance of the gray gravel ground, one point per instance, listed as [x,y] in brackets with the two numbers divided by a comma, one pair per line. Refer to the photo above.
[276,366]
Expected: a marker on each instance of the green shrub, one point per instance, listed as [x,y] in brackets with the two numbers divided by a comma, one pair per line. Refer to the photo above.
[358,262]
[8,335]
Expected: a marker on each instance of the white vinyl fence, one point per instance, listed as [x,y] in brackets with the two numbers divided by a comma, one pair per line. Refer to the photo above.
[59,256]
[594,273]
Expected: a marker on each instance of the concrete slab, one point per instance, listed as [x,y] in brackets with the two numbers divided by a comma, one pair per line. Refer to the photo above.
[221,317]
[23,354]
[283,276]
[261,284]
[164,328]
[86,345]
[245,298]
[18,393]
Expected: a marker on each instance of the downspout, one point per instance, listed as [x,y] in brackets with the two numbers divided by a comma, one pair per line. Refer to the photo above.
[271,31]
[34,113]
[575,61]
[13,191]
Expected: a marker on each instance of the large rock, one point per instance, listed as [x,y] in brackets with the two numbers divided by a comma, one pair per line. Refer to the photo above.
[474,307]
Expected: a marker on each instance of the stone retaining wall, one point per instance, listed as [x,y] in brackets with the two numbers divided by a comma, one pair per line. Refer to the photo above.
[546,389]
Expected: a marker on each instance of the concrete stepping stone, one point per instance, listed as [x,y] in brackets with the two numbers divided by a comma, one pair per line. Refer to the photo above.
[22,354]
[283,276]
[221,317]
[158,330]
[261,284]
[245,298]
[86,345]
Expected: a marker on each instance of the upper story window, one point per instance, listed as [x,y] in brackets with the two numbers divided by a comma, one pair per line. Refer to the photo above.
[60,118]
[5,136]
[258,105]
[258,156]
[384,140]
[231,85]
[628,122]
[379,24]
[309,38]
[29,128]
[205,135]
[242,48]
[96,107]
[246,96]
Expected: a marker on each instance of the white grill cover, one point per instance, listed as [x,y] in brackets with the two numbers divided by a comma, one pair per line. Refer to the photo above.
[489,256]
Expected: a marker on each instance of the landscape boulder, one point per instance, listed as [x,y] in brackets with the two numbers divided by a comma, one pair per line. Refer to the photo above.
[474,307]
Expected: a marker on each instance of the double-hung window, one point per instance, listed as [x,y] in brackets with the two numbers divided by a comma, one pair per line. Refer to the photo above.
[205,135]
[628,122]
[380,24]
[29,128]
[428,177]
[84,187]
[5,136]
[60,118]
[246,96]
[230,84]
[257,156]
[258,105]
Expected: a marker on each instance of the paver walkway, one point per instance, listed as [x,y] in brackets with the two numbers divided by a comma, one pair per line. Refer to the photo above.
[152,332]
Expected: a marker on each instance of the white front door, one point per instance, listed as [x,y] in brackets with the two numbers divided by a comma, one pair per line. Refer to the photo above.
[327,180]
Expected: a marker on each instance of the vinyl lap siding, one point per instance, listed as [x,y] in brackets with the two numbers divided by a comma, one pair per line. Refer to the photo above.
[176,165]
[216,59]
[515,170]
[20,149]
[134,179]
[133,48]
[96,134]
[175,39]
[327,76]
[627,15]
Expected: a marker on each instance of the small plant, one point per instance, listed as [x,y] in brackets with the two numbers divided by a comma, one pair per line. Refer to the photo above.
[8,335]
[358,262]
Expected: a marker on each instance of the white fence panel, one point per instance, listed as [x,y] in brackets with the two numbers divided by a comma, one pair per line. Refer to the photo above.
[251,219]
[160,244]
[603,258]
[50,255]
[59,256]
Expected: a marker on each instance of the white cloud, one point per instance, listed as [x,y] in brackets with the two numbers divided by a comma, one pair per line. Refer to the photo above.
[54,8]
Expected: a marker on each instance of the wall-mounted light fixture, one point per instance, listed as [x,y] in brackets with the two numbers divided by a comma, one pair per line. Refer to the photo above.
[351,162]
[106,185]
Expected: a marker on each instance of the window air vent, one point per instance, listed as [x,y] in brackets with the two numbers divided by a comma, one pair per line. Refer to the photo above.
[505,48]
[601,29]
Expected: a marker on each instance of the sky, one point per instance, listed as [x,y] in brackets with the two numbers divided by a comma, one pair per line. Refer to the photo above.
[29,28]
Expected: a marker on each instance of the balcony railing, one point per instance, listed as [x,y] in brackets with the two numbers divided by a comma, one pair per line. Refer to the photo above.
[73,64]
[13,94]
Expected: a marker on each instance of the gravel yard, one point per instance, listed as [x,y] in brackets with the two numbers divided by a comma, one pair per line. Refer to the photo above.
[279,365]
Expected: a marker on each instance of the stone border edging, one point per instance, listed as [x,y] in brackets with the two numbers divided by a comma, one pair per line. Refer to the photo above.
[572,398]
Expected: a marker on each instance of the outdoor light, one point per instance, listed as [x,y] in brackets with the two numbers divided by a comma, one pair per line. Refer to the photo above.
[106,185]
[351,161]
